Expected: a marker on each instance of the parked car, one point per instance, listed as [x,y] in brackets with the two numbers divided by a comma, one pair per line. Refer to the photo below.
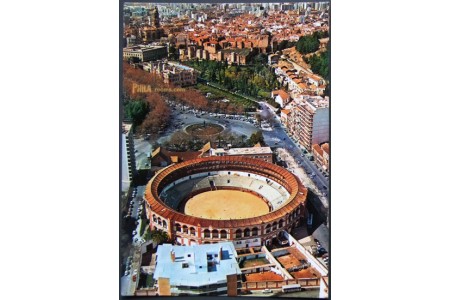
[267,291]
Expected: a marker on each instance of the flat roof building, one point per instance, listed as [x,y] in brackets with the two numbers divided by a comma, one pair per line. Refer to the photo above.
[172,73]
[145,53]
[195,270]
[262,153]
[310,120]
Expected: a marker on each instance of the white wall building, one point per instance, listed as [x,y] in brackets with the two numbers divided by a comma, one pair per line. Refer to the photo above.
[128,160]
[195,270]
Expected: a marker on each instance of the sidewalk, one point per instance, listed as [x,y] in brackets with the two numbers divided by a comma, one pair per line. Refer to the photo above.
[301,174]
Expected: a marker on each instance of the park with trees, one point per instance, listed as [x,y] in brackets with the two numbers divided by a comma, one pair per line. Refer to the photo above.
[147,107]
[255,79]
[310,43]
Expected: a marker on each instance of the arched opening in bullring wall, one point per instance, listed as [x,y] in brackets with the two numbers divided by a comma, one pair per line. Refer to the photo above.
[273,221]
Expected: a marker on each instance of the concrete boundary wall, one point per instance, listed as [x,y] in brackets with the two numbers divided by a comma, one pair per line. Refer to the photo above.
[274,261]
[311,259]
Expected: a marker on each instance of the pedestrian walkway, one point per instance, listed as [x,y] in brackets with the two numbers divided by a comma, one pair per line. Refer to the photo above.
[301,174]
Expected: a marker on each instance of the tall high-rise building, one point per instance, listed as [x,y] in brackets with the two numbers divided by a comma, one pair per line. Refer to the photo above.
[128,160]
[313,119]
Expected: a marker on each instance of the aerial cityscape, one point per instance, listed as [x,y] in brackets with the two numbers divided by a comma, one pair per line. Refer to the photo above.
[225,149]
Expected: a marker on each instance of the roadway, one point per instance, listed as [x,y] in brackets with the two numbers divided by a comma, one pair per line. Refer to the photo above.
[128,286]
[278,137]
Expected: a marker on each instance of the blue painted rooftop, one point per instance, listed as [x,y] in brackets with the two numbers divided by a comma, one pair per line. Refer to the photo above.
[196,265]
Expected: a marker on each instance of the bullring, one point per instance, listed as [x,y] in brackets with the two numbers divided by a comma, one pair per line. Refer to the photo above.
[171,206]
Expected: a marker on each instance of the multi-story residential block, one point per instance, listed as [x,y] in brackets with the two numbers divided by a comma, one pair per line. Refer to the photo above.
[209,269]
[284,116]
[128,160]
[321,155]
[145,53]
[308,121]
[314,121]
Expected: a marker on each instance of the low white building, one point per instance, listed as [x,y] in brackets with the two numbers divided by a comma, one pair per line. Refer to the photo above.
[206,269]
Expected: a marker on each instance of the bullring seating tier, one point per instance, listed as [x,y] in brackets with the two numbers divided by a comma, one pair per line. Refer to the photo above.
[272,192]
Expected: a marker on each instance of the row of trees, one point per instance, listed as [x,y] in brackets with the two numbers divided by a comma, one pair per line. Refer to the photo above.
[249,80]
[181,141]
[146,109]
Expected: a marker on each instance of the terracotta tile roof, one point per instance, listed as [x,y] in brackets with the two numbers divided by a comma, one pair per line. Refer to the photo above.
[326,148]
[317,148]
[206,148]
[173,156]
[282,94]
[285,111]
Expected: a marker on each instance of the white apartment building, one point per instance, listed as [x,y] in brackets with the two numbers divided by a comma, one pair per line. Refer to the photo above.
[128,160]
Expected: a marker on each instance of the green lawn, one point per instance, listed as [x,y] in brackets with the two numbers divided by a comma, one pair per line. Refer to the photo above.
[235,99]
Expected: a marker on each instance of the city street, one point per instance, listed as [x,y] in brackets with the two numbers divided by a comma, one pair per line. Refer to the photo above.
[142,148]
[279,138]
[128,286]
[276,137]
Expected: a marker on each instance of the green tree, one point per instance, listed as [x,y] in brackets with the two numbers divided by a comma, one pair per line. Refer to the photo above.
[307,44]
[256,137]
[320,64]
[136,110]
[158,236]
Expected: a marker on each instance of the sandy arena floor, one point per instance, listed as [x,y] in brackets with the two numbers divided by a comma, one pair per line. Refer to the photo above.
[225,205]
